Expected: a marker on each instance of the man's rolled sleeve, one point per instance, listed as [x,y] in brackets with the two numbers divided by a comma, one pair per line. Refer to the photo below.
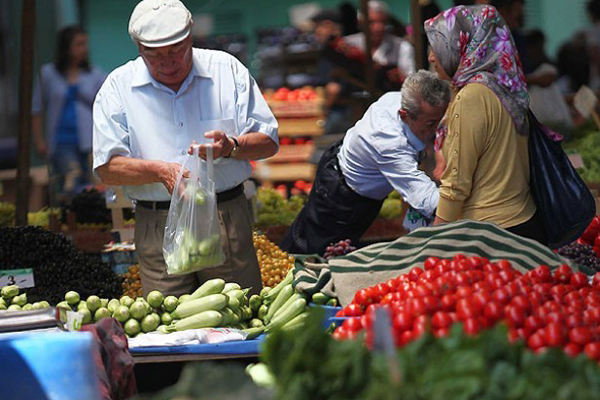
[254,114]
[111,136]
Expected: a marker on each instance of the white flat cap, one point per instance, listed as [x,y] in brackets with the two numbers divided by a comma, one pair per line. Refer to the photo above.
[158,23]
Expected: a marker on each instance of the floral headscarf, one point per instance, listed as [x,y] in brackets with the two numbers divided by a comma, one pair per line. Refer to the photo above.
[474,45]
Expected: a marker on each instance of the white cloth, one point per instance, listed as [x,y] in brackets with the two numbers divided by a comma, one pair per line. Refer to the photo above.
[136,116]
[192,336]
[392,51]
[380,153]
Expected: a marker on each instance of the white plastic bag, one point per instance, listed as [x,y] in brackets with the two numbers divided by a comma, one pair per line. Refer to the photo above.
[192,238]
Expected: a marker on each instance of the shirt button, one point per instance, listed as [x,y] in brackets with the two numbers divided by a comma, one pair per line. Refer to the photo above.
[455,151]
[455,115]
[455,134]
[454,169]
[181,124]
[183,152]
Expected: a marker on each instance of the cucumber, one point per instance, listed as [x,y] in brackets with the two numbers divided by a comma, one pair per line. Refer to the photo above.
[229,286]
[262,311]
[294,309]
[205,319]
[233,303]
[255,302]
[273,293]
[285,305]
[215,302]
[280,300]
[253,333]
[319,298]
[212,286]
[295,322]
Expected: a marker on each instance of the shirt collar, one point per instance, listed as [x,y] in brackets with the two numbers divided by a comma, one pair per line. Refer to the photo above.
[413,140]
[142,76]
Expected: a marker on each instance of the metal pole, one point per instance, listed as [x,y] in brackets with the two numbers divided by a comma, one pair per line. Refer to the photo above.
[417,33]
[25,90]
[369,70]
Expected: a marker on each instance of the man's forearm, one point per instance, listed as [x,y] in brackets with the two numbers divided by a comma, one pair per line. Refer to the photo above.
[255,146]
[130,171]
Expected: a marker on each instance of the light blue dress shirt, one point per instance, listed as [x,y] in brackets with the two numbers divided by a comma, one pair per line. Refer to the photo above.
[49,96]
[136,116]
[380,153]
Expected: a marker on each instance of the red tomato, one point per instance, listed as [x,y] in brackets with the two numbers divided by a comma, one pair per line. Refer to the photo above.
[491,268]
[448,302]
[505,265]
[353,310]
[463,291]
[536,341]
[515,316]
[407,337]
[501,296]
[572,350]
[466,309]
[340,333]
[459,257]
[432,304]
[472,326]
[430,263]
[340,313]
[533,323]
[593,299]
[403,321]
[388,298]
[573,297]
[574,320]
[414,273]
[542,274]
[363,298]
[366,320]
[591,316]
[596,280]
[592,350]
[441,332]
[381,290]
[562,274]
[521,302]
[441,319]
[554,317]
[353,324]
[481,298]
[428,276]
[580,335]
[579,280]
[493,311]
[513,335]
[556,334]
[422,290]
[476,262]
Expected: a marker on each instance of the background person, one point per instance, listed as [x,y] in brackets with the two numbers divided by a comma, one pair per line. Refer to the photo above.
[379,154]
[149,112]
[64,93]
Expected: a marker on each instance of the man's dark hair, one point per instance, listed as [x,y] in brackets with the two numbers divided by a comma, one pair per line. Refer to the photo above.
[63,45]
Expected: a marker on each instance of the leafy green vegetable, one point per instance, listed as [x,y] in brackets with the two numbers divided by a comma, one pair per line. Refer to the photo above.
[309,364]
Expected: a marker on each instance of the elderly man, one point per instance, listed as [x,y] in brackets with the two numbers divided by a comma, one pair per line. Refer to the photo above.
[148,113]
[379,154]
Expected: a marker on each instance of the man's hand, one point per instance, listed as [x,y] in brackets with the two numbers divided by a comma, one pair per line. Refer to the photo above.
[222,145]
[169,173]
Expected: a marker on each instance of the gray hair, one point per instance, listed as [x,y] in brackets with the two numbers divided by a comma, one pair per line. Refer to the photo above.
[424,86]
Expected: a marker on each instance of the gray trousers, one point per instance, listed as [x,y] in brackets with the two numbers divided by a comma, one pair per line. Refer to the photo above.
[241,265]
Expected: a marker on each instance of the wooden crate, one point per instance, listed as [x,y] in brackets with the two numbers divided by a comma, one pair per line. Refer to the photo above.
[287,172]
[297,109]
[292,153]
[301,126]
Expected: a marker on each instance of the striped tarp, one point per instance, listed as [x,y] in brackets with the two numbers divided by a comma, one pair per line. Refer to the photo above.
[382,261]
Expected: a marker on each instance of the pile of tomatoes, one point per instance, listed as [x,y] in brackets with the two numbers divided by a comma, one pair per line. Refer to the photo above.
[591,235]
[545,308]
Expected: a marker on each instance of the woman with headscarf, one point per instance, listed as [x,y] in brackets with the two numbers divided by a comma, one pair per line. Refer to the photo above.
[486,177]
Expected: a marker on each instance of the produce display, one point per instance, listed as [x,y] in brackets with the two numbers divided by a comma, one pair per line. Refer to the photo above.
[57,265]
[274,209]
[132,285]
[38,218]
[89,207]
[582,254]
[12,299]
[391,207]
[340,248]
[309,364]
[591,235]
[273,262]
[543,308]
[587,144]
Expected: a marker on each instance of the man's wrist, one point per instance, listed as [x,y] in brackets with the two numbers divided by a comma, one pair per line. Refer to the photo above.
[234,147]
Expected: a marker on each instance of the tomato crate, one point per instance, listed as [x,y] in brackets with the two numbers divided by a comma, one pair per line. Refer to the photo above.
[297,109]
[310,126]
[293,153]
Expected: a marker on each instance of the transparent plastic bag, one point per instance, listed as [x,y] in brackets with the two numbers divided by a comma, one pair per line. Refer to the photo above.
[192,238]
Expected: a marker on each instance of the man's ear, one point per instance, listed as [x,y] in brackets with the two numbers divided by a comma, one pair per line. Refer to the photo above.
[403,114]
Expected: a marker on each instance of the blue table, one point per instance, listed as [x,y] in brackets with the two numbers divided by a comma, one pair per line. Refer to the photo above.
[198,352]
